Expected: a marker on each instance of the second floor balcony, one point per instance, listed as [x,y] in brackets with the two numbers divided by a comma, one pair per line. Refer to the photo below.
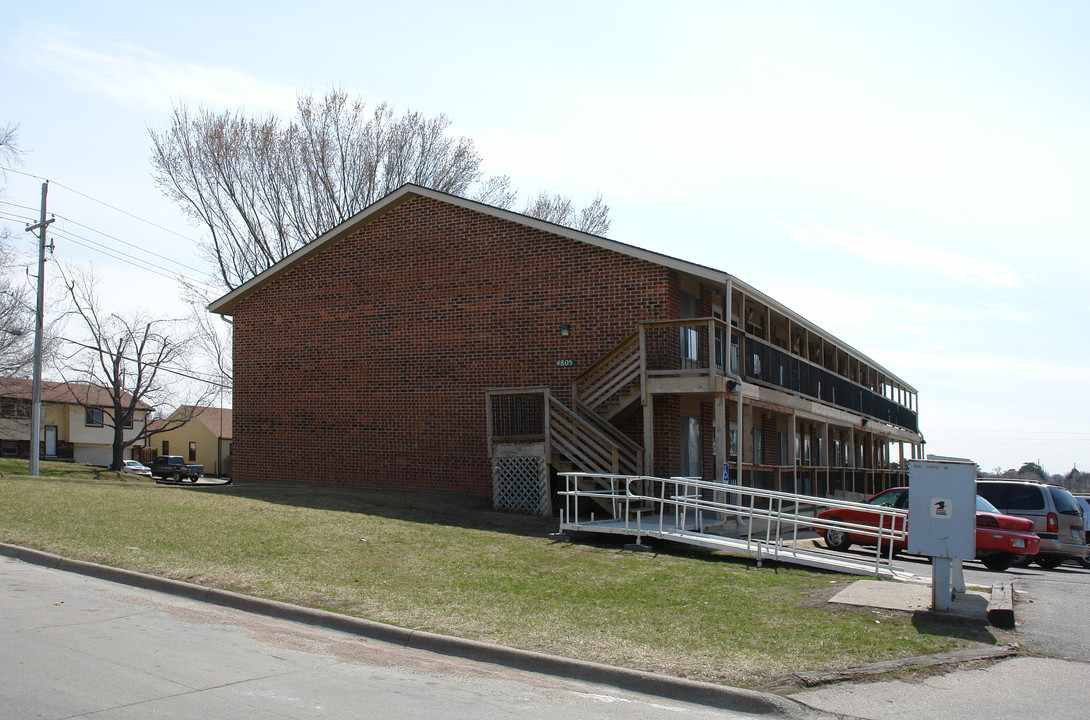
[690,351]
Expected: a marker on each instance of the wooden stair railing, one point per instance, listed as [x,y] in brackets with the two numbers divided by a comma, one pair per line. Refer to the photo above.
[581,442]
[612,383]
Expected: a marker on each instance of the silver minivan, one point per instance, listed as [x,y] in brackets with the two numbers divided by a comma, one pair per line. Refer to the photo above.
[1084,505]
[1056,517]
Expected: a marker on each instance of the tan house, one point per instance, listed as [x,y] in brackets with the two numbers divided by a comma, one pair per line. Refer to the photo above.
[204,438]
[77,422]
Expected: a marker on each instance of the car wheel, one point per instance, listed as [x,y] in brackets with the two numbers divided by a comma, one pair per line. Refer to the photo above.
[836,539]
[1049,562]
[1020,560]
[997,561]
[1085,562]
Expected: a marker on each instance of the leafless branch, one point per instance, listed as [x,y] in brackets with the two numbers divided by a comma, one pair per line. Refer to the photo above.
[263,187]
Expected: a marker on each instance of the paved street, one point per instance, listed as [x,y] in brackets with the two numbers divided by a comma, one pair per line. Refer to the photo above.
[76,646]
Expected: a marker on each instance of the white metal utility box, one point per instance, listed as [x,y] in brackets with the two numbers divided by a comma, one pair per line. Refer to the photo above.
[942,508]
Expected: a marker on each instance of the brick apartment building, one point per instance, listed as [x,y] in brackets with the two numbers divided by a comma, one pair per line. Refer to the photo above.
[435,343]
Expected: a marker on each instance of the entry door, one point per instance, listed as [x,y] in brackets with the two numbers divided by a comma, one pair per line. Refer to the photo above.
[691,447]
[51,441]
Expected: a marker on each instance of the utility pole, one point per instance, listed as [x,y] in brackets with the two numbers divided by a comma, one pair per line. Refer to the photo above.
[36,398]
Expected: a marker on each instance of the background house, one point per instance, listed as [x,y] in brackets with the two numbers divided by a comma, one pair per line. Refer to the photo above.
[435,343]
[204,437]
[77,422]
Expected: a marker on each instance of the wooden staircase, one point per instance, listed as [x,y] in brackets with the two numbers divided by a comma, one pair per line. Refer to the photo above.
[581,438]
[614,383]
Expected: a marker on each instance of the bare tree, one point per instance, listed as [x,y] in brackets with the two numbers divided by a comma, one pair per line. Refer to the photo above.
[212,344]
[16,309]
[9,145]
[264,187]
[558,209]
[136,362]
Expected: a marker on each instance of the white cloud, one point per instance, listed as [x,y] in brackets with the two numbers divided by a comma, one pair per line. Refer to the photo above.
[142,79]
[879,248]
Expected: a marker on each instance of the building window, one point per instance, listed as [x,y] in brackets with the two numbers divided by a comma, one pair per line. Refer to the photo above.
[9,448]
[690,335]
[93,417]
[192,451]
[14,409]
[128,421]
[166,447]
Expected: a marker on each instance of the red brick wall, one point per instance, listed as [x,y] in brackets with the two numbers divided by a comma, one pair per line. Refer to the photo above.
[666,420]
[367,364]
[770,445]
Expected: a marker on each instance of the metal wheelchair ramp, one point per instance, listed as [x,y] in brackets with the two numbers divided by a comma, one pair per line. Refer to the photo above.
[750,522]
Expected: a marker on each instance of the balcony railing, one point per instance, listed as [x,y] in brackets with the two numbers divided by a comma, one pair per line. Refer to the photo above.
[771,365]
[681,348]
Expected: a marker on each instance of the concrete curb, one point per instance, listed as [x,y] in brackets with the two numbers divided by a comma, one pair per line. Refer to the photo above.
[719,696]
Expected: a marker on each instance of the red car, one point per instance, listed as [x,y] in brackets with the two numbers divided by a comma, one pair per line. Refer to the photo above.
[999,538]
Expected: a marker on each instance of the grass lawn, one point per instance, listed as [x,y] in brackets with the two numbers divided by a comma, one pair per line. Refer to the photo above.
[451,565]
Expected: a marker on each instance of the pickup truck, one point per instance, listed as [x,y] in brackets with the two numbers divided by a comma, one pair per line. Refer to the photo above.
[175,467]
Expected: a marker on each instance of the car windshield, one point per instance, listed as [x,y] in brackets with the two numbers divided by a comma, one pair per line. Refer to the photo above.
[896,497]
[983,505]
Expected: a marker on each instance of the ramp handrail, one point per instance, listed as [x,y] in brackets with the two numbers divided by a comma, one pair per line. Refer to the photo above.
[686,501]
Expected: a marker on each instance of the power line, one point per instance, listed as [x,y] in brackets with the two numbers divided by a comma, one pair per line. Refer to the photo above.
[5,168]
[125,242]
[164,368]
[113,237]
[116,254]
[100,202]
[17,205]
[125,212]
[128,258]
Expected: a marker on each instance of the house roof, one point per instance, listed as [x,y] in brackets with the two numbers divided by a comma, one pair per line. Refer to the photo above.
[225,305]
[217,420]
[61,393]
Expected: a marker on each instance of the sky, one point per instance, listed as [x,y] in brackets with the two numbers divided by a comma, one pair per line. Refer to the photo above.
[911,177]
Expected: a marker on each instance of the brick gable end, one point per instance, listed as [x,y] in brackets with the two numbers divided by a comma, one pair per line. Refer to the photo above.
[367,364]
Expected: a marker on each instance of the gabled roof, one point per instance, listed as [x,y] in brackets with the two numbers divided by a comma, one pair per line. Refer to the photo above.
[217,420]
[60,393]
[226,304]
